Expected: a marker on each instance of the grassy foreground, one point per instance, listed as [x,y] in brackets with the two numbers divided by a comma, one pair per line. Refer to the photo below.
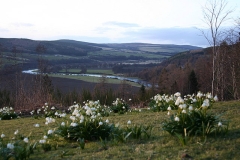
[160,146]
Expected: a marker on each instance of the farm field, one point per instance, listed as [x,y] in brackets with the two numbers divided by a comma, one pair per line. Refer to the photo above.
[93,79]
[161,145]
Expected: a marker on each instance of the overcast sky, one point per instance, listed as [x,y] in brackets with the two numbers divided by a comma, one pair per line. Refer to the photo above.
[107,21]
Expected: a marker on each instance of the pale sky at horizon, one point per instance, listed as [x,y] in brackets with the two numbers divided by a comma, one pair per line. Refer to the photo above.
[107,21]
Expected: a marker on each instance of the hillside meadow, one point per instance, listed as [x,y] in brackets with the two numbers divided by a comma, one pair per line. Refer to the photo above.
[160,145]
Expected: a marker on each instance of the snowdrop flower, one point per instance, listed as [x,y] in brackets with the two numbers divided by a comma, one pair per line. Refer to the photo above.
[46,104]
[194,100]
[176,119]
[10,146]
[52,108]
[63,124]
[89,112]
[63,115]
[190,108]
[73,124]
[107,121]
[184,111]
[50,131]
[73,118]
[219,124]
[36,125]
[56,113]
[16,132]
[168,113]
[42,141]
[82,117]
[177,94]
[184,106]
[129,122]
[100,123]
[25,140]
[3,135]
[45,137]
[199,94]
[215,98]
[169,108]
[81,120]
[180,106]
[209,95]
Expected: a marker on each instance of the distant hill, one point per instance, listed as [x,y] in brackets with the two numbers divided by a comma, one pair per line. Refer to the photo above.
[63,47]
[78,48]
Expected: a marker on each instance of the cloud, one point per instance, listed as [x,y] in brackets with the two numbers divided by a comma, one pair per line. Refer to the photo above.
[120,24]
[174,35]
[22,24]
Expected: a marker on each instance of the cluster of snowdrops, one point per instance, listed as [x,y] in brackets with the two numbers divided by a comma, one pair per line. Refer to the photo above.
[187,116]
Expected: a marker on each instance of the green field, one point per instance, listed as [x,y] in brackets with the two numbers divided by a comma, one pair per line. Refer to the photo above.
[125,53]
[160,146]
[89,71]
[93,79]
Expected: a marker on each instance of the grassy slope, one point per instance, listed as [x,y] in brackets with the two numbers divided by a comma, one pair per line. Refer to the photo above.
[160,146]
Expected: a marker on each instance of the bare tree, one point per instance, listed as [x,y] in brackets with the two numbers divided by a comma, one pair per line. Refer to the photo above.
[215,13]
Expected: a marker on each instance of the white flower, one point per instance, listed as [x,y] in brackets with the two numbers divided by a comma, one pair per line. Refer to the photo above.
[89,112]
[73,118]
[215,98]
[176,119]
[81,120]
[180,106]
[82,117]
[199,94]
[42,141]
[63,115]
[184,111]
[10,146]
[184,106]
[73,124]
[63,124]
[100,123]
[50,131]
[52,108]
[16,132]
[36,125]
[190,108]
[219,124]
[168,113]
[129,122]
[177,94]
[45,137]
[169,108]
[3,135]
[25,140]
[107,121]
